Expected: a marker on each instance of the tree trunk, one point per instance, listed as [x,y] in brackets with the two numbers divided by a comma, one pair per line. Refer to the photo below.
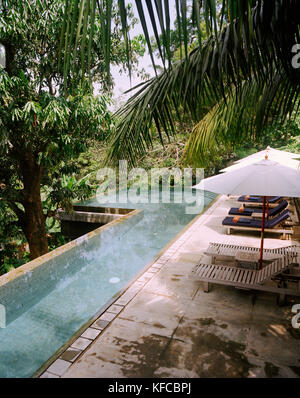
[34,219]
[34,228]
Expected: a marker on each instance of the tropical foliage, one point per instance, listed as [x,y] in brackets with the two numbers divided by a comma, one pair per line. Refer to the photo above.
[48,116]
[232,77]
[41,137]
[41,132]
[235,82]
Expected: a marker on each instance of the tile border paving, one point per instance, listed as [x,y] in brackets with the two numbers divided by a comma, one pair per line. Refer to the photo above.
[59,363]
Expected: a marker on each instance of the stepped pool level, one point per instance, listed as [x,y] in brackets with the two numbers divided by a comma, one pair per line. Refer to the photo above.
[48,305]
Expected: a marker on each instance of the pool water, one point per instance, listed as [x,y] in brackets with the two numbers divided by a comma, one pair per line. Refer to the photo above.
[46,307]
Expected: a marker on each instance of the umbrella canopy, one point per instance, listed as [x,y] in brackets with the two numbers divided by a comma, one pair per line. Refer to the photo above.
[288,162]
[263,178]
[272,153]
[286,158]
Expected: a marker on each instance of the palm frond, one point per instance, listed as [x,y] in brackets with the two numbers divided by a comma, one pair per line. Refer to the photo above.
[240,117]
[245,64]
[248,54]
[272,24]
[84,19]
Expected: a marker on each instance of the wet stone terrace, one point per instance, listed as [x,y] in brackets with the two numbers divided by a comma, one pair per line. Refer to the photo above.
[165,325]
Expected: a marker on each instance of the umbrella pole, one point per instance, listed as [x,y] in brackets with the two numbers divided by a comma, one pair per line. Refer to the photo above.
[262,233]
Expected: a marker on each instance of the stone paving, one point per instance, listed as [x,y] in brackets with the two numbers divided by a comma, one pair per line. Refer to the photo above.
[164,325]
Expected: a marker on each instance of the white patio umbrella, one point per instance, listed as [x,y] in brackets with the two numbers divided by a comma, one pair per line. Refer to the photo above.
[263,178]
[272,153]
[284,161]
[286,158]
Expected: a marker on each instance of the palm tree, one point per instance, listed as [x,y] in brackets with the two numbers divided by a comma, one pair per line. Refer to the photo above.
[232,84]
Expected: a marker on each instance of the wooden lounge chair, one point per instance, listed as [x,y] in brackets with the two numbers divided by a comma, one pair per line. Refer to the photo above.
[275,225]
[227,252]
[249,279]
[257,212]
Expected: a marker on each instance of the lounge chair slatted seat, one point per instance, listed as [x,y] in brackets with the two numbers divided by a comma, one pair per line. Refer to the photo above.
[228,273]
[205,270]
[225,251]
[240,277]
[235,275]
[250,277]
[232,274]
[247,278]
[273,269]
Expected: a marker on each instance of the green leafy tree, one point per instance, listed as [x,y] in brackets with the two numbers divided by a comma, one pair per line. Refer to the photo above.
[46,118]
[41,136]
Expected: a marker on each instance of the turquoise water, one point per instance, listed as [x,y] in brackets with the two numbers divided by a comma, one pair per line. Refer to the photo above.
[46,307]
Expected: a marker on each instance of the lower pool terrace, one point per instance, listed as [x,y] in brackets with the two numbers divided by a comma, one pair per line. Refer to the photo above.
[50,299]
[166,325]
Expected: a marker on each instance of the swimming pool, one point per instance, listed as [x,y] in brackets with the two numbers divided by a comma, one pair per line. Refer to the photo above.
[47,306]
